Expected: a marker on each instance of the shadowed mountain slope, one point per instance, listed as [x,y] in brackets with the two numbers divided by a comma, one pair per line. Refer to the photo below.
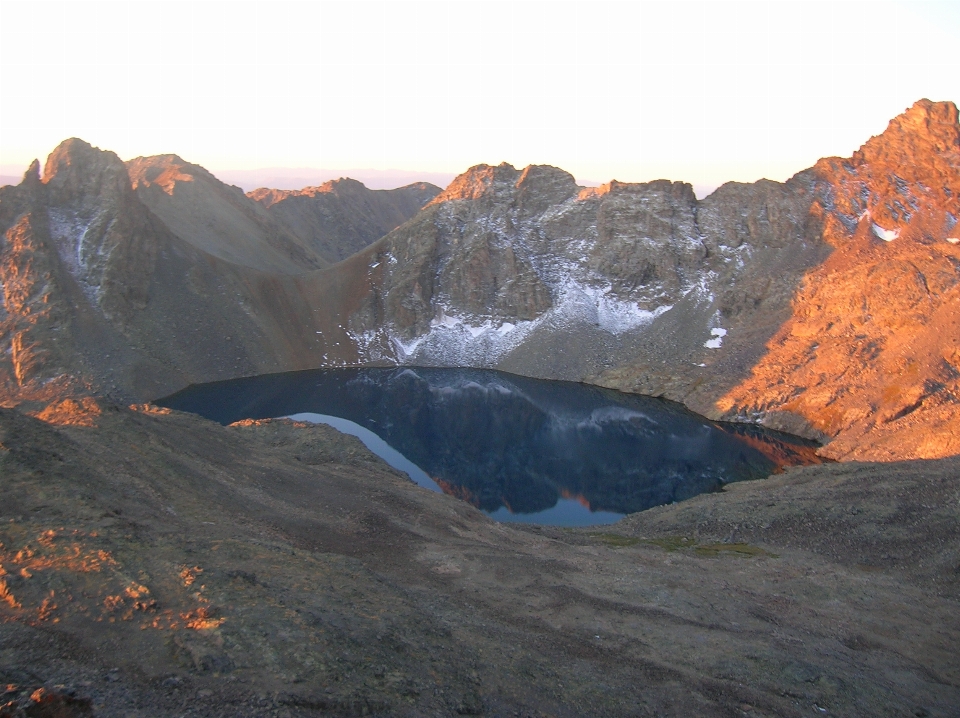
[341,217]
[217,218]
[99,294]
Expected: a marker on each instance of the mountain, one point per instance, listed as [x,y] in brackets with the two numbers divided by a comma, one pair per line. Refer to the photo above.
[298,177]
[870,354]
[216,218]
[825,305]
[135,279]
[527,272]
[153,558]
[341,217]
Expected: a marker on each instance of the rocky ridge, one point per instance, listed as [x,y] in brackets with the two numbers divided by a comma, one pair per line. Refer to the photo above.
[218,219]
[822,306]
[871,352]
[341,217]
[134,280]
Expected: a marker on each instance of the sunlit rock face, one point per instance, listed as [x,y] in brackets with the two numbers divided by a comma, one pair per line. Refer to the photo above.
[869,355]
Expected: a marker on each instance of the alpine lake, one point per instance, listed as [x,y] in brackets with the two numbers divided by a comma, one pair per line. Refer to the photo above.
[520,449]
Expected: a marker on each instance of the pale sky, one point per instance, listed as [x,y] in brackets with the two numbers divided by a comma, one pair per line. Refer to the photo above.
[702,91]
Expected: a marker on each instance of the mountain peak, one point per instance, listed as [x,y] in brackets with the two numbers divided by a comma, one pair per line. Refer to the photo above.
[472,184]
[165,171]
[31,178]
[480,180]
[77,168]
[925,129]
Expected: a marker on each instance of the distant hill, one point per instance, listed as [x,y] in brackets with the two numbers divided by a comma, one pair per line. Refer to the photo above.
[300,177]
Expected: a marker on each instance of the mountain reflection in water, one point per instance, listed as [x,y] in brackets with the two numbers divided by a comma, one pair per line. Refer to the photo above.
[519,448]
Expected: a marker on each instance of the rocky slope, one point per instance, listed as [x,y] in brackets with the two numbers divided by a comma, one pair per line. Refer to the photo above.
[341,217]
[871,351]
[135,280]
[527,272]
[99,295]
[156,564]
[218,219]
[825,305]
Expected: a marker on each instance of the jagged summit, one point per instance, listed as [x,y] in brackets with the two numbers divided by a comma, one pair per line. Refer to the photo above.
[165,171]
[78,169]
[268,196]
[32,176]
[869,355]
[495,182]
[927,129]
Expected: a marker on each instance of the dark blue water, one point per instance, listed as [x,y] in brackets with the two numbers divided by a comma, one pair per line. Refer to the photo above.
[520,449]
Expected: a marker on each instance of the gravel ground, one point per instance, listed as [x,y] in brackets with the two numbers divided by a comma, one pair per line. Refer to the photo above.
[157,564]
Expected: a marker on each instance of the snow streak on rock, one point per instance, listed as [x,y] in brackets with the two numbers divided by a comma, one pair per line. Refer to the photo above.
[69,232]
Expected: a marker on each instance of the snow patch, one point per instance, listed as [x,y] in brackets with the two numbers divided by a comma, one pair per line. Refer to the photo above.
[464,341]
[953,240]
[887,235]
[472,341]
[718,334]
[403,349]
[602,308]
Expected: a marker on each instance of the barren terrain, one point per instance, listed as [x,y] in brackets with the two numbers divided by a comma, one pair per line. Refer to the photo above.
[159,564]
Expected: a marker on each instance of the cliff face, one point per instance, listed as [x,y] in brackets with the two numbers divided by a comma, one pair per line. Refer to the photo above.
[526,271]
[99,295]
[826,305]
[870,354]
[341,217]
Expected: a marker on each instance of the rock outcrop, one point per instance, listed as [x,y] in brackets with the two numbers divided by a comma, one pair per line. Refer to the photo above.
[526,271]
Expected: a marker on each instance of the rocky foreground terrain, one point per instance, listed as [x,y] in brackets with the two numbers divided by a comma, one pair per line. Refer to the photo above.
[158,564]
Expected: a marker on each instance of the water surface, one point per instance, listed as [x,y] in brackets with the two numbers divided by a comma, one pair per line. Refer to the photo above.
[520,449]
